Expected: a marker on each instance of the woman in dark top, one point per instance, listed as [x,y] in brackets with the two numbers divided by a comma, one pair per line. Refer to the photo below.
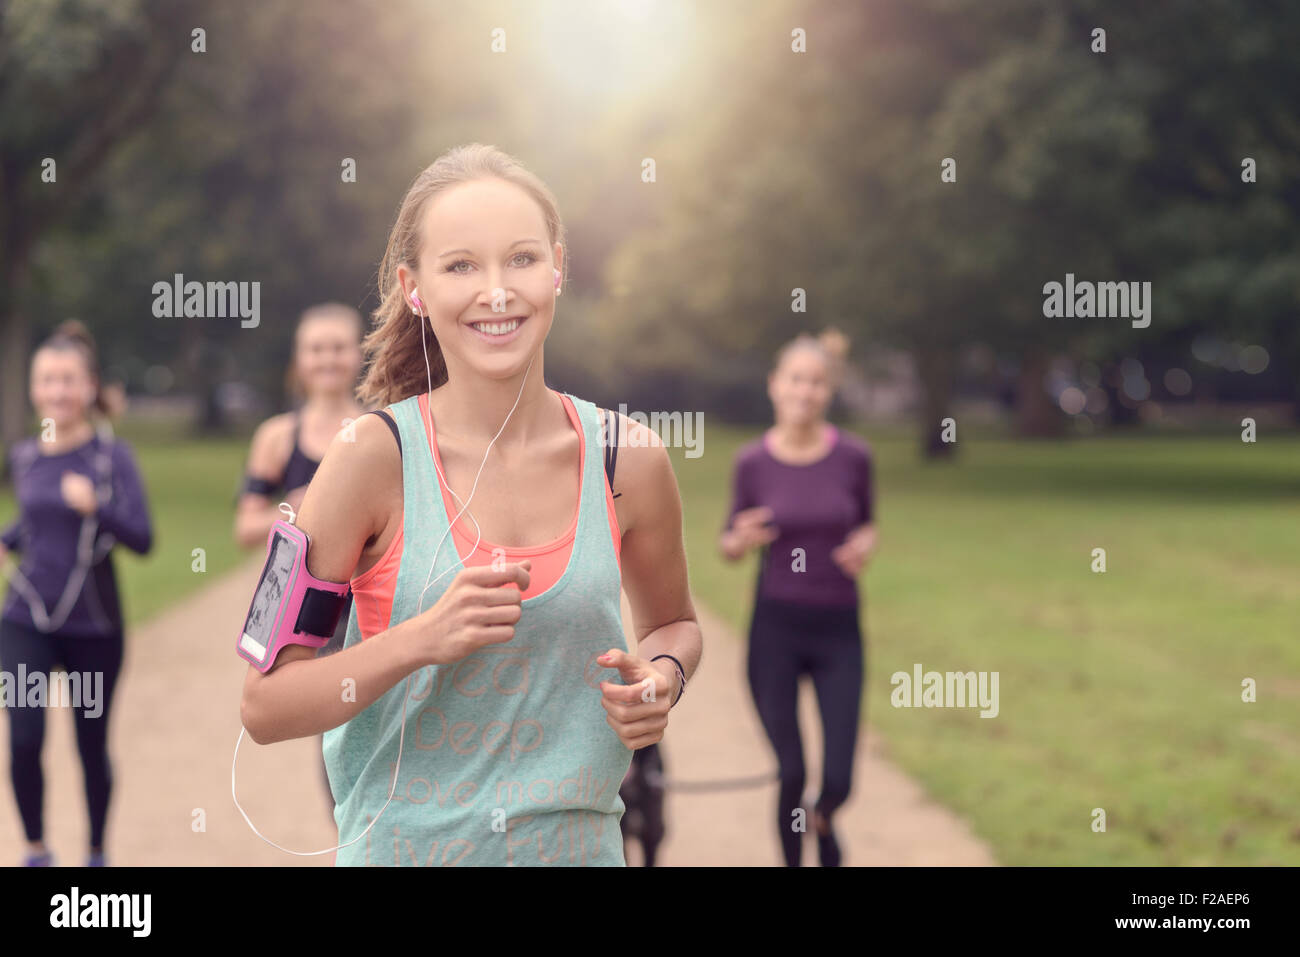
[78,493]
[287,448]
[802,495]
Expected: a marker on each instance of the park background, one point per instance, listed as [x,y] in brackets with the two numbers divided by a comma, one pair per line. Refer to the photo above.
[774,170]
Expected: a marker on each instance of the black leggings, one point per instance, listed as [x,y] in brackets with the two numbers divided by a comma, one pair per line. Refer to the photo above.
[37,652]
[787,640]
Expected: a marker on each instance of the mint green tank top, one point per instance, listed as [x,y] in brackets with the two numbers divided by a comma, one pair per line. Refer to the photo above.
[508,759]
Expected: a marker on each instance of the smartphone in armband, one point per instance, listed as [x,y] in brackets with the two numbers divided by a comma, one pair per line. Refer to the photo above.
[290,606]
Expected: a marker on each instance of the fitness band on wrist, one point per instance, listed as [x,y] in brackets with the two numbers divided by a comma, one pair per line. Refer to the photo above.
[681,676]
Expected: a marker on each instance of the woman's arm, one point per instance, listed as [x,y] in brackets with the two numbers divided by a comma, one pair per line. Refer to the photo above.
[347,512]
[658,589]
[860,543]
[125,515]
[750,528]
[748,522]
[729,544]
[348,504]
[267,458]
[12,535]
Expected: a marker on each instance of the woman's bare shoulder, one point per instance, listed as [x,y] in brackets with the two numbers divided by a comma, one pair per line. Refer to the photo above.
[277,426]
[356,494]
[271,445]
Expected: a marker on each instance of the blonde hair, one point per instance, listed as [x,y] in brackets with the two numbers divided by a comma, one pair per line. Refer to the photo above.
[72,335]
[831,344]
[394,351]
[324,310]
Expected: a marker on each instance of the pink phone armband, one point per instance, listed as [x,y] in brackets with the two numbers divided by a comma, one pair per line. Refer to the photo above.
[290,606]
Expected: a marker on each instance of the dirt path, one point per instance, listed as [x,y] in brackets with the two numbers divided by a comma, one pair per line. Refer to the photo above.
[174,725]
[715,734]
[176,719]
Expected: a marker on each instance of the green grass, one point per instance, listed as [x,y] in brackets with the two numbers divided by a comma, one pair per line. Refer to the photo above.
[191,486]
[1119,690]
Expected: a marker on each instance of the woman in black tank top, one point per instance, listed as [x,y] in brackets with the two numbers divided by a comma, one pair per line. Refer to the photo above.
[301,466]
[323,374]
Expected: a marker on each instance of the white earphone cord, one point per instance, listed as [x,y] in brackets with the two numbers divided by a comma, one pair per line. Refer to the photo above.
[401,738]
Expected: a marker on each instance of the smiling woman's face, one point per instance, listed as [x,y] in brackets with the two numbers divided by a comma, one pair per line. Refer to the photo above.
[800,388]
[62,388]
[485,276]
[328,354]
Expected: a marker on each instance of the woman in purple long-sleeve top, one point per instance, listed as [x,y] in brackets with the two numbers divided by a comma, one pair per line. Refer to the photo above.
[79,493]
[802,494]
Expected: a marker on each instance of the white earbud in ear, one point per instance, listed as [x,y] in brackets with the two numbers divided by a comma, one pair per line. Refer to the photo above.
[415,298]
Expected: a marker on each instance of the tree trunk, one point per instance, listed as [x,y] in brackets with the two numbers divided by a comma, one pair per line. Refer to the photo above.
[1037,415]
[203,359]
[935,367]
[14,345]
[15,336]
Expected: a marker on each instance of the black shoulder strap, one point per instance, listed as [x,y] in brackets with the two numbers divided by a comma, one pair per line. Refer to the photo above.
[611,446]
[392,426]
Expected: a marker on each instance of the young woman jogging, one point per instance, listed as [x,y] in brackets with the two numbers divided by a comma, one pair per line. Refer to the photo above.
[79,493]
[802,494]
[485,703]
[287,448]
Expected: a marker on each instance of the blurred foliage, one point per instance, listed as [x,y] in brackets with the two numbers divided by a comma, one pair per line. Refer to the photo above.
[823,173]
[774,171]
